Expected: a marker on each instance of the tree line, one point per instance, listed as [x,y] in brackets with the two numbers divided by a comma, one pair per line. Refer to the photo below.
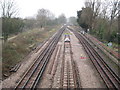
[44,17]
[11,24]
[102,18]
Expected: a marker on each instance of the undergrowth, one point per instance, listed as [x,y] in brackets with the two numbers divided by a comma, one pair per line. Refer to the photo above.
[14,51]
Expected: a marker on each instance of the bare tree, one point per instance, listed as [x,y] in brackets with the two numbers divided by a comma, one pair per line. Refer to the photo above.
[73,20]
[9,8]
[43,16]
[62,19]
[115,9]
[104,9]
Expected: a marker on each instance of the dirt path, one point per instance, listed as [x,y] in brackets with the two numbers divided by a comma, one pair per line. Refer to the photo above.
[12,37]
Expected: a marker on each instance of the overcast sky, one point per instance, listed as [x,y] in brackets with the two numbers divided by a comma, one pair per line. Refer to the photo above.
[28,8]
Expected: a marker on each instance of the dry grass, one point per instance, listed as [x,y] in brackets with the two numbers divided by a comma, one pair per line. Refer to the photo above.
[16,49]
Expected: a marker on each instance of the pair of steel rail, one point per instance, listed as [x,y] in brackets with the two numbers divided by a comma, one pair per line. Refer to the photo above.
[34,74]
[110,78]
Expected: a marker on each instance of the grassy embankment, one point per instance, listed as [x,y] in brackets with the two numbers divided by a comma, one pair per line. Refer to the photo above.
[17,48]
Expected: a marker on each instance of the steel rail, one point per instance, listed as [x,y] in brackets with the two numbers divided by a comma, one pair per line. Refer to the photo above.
[69,73]
[109,77]
[42,54]
[44,65]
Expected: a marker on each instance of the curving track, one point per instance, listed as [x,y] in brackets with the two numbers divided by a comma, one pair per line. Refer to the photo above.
[109,77]
[31,78]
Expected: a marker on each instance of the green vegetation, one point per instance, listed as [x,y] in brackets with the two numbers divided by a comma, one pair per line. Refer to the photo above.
[102,19]
[20,36]
[11,26]
[16,49]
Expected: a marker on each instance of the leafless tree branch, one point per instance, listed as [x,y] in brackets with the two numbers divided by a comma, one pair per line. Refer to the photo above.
[9,8]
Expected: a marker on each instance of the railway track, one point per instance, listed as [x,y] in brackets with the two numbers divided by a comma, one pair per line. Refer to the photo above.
[69,73]
[111,79]
[33,75]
